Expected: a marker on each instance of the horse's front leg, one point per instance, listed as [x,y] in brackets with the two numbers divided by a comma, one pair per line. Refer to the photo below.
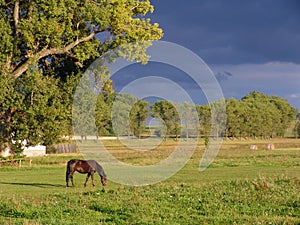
[87,178]
[92,176]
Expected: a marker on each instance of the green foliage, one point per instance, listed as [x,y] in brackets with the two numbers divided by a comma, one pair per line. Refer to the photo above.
[297,129]
[6,43]
[286,111]
[34,108]
[255,116]
[84,108]
[103,116]
[258,115]
[205,119]
[10,100]
[42,112]
[137,117]
[120,115]
[189,119]
[167,112]
[67,89]
[44,30]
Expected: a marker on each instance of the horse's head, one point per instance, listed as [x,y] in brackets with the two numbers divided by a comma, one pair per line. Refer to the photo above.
[103,180]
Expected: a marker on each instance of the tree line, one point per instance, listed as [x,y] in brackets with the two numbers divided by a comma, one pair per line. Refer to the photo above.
[44,114]
[256,115]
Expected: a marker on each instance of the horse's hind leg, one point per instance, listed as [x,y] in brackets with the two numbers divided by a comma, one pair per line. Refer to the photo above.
[87,178]
[72,180]
[67,180]
[69,176]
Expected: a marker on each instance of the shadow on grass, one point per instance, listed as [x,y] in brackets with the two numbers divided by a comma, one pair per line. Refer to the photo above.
[40,185]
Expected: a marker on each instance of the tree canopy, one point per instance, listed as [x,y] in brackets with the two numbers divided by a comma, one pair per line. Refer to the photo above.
[50,32]
[258,115]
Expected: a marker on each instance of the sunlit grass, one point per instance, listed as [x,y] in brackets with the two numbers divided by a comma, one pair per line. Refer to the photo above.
[241,186]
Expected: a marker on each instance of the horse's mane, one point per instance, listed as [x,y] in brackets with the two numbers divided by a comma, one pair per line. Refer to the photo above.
[98,168]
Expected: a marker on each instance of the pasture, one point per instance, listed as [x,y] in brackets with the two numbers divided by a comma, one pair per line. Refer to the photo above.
[240,187]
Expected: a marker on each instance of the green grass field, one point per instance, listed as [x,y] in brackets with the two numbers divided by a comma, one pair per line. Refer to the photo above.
[240,187]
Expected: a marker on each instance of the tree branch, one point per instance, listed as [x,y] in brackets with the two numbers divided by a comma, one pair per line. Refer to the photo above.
[16,15]
[53,51]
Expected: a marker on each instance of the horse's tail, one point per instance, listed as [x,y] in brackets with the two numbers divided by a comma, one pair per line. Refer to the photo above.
[68,171]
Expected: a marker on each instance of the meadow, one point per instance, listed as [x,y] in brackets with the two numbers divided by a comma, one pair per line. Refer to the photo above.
[241,186]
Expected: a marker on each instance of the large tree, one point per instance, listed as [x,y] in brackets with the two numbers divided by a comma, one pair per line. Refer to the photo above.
[50,42]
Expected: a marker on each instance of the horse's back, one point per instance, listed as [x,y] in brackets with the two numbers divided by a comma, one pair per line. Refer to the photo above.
[92,163]
[83,166]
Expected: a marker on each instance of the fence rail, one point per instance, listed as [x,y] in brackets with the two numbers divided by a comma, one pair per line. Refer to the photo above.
[15,162]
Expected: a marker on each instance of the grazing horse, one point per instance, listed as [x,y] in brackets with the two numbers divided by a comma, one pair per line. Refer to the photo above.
[84,166]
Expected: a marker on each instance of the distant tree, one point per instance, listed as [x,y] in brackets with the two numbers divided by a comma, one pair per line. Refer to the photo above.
[189,118]
[261,115]
[205,119]
[120,114]
[166,111]
[287,114]
[83,110]
[235,118]
[266,116]
[103,116]
[212,119]
[138,116]
[218,111]
[104,108]
[297,129]
[66,89]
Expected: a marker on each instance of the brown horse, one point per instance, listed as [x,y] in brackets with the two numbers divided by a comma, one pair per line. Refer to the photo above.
[84,166]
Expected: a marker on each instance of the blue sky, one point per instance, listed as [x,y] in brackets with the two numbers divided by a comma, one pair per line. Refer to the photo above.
[249,45]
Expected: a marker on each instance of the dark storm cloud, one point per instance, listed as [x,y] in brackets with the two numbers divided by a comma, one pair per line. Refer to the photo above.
[233,32]
[249,46]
